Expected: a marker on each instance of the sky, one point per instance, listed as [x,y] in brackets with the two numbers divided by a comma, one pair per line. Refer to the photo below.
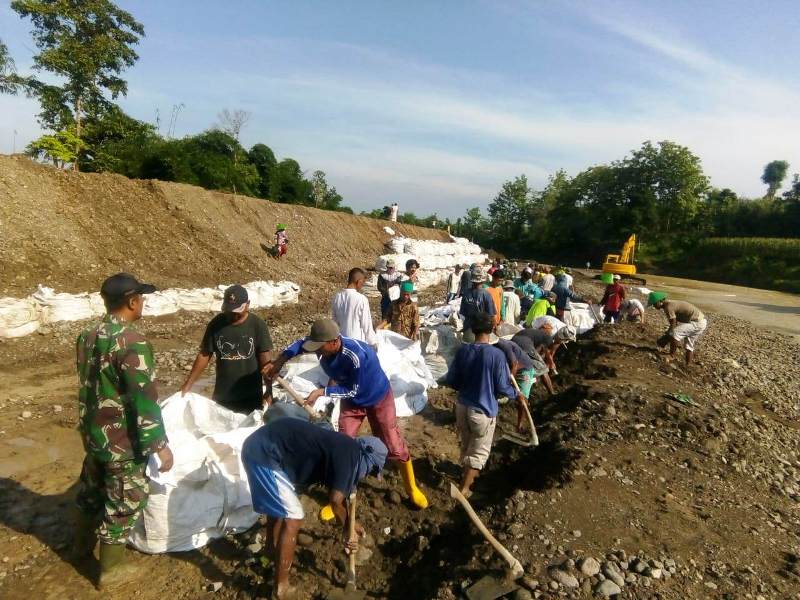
[435,104]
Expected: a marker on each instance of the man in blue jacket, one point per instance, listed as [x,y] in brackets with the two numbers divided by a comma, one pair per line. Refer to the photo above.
[359,383]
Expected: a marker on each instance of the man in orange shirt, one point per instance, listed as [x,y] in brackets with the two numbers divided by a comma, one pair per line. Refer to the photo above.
[495,290]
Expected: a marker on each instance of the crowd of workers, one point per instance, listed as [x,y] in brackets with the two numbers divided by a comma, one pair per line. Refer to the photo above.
[122,428]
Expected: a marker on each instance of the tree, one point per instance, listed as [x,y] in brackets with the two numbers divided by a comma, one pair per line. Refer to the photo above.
[232,123]
[116,142]
[61,148]
[10,82]
[287,184]
[88,43]
[508,212]
[263,159]
[774,174]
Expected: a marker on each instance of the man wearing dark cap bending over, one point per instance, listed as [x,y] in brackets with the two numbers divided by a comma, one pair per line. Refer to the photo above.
[242,345]
[358,381]
[284,457]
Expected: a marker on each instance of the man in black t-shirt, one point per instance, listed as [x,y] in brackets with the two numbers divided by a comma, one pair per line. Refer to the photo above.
[241,343]
[286,456]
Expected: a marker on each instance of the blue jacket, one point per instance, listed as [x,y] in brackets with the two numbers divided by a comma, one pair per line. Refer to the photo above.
[356,369]
[564,295]
[480,373]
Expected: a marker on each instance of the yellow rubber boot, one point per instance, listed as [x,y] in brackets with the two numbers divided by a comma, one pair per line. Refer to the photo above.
[416,495]
[326,513]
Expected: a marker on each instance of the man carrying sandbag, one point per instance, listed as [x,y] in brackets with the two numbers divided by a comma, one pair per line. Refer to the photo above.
[286,456]
[120,424]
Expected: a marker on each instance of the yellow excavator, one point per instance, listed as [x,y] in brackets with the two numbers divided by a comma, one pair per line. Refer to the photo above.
[623,263]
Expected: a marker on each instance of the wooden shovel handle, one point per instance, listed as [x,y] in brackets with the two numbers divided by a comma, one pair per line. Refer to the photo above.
[514,565]
[297,397]
[351,533]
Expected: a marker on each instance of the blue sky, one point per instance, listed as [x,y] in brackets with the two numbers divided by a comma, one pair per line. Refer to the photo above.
[435,104]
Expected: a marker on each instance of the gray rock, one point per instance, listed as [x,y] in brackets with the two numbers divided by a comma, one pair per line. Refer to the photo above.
[589,566]
[564,578]
[395,498]
[654,573]
[303,539]
[611,572]
[607,589]
[522,594]
[253,548]
[26,414]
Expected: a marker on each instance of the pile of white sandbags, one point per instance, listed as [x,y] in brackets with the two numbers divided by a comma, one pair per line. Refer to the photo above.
[20,317]
[435,259]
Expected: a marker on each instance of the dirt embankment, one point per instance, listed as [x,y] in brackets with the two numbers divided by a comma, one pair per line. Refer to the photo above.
[69,230]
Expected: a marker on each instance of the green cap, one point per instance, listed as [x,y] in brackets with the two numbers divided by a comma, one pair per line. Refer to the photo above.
[281,227]
[655,297]
[407,287]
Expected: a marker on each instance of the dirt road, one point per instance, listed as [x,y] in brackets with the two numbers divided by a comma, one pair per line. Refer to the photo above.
[775,311]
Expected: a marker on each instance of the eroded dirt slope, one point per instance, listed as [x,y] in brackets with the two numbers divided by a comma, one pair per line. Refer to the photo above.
[68,230]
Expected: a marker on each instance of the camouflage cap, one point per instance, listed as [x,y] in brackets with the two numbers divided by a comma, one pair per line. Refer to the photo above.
[124,284]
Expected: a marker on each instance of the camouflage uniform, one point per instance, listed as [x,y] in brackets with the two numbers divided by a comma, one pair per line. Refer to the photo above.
[120,423]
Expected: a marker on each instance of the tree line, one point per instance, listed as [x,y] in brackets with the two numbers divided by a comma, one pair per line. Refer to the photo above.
[658,191]
[86,46]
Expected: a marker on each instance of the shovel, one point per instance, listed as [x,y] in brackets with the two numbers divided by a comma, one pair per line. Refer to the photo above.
[349,592]
[515,569]
[297,397]
[515,438]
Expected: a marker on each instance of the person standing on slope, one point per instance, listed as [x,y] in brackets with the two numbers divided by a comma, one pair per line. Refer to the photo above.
[350,309]
[281,240]
[358,381]
[121,427]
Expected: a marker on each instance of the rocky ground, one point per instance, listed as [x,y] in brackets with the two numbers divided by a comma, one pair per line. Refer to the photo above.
[629,493]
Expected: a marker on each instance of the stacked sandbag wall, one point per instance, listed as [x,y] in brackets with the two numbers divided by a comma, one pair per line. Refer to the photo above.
[20,317]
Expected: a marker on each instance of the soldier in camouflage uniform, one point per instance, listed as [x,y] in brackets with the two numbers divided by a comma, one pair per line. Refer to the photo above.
[120,423]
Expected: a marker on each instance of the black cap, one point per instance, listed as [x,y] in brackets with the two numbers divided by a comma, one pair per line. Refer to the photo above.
[124,284]
[234,299]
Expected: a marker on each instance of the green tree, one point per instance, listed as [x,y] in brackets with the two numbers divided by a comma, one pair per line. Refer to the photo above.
[263,159]
[508,213]
[773,176]
[10,82]
[87,43]
[287,184]
[116,142]
[60,147]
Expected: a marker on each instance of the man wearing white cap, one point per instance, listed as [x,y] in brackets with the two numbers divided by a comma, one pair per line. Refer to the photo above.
[386,281]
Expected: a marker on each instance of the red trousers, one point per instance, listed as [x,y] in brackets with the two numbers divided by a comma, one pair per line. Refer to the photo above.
[382,420]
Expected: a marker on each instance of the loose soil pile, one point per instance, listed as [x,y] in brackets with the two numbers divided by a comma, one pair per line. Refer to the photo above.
[628,488]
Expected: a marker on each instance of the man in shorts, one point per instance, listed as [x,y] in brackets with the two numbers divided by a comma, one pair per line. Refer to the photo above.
[686,322]
[479,373]
[286,456]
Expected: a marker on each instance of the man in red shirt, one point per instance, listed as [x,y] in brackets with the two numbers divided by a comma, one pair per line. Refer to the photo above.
[612,300]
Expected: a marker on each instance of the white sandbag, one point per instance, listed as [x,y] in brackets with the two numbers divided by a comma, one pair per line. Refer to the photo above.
[581,317]
[205,495]
[201,299]
[18,317]
[62,307]
[389,230]
[160,303]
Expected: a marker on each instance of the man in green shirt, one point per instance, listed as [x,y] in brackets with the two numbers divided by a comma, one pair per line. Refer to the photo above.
[120,424]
